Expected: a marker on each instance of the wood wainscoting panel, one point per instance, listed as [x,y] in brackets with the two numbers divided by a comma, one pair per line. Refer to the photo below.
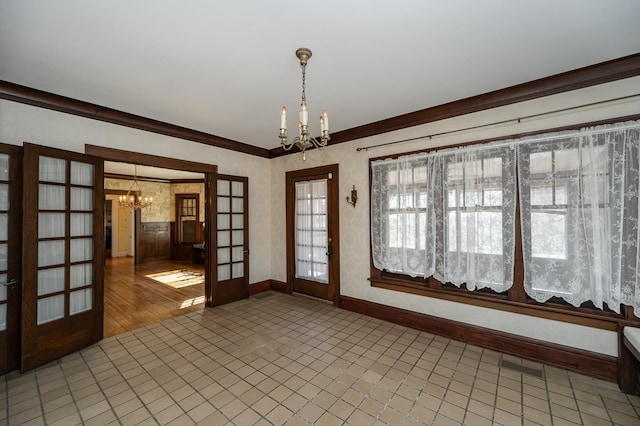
[155,241]
[581,361]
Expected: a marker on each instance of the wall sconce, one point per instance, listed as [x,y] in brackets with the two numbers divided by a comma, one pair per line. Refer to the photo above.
[354,197]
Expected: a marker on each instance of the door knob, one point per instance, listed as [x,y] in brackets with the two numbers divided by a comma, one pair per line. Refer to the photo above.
[10,283]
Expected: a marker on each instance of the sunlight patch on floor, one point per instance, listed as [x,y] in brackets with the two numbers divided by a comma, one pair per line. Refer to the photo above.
[192,302]
[178,278]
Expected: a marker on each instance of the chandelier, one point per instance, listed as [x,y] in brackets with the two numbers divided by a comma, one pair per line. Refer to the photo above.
[303,140]
[133,199]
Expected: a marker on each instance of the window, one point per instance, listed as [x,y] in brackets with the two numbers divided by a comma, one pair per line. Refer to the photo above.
[188,218]
[447,215]
[451,216]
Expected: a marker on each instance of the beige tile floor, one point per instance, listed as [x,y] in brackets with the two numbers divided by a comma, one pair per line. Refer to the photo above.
[291,360]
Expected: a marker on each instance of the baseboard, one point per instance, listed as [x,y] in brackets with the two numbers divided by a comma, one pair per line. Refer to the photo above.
[259,287]
[584,362]
[280,286]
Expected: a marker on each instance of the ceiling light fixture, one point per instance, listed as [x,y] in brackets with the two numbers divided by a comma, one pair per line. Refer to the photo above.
[133,199]
[304,141]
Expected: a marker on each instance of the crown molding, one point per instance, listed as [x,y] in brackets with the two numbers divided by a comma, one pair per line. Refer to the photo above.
[27,95]
[604,72]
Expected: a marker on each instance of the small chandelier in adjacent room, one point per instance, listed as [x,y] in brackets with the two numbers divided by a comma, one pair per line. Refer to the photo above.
[134,199]
[304,141]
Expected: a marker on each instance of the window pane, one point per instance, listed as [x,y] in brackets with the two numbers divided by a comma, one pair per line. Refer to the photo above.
[237,221]
[224,272]
[50,309]
[51,225]
[237,189]
[82,173]
[82,199]
[81,224]
[237,270]
[223,205]
[80,301]
[81,275]
[548,235]
[224,221]
[81,249]
[4,167]
[4,197]
[224,238]
[51,197]
[52,170]
[3,317]
[3,287]
[237,237]
[237,254]
[224,255]
[237,205]
[223,187]
[4,226]
[50,281]
[50,253]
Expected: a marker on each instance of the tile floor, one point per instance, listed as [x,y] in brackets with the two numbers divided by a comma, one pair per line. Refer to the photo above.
[291,360]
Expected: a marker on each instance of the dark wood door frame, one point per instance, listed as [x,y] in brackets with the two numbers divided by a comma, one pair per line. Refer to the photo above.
[209,170]
[10,344]
[334,224]
[137,221]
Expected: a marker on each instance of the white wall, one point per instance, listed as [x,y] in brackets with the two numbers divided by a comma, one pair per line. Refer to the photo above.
[23,123]
[354,223]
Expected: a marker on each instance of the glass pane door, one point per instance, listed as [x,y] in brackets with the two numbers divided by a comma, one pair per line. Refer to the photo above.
[311,231]
[230,230]
[4,237]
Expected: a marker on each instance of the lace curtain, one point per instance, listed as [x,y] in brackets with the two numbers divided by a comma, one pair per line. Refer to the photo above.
[449,214]
[579,208]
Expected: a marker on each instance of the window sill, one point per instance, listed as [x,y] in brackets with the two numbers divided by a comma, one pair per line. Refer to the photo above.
[580,316]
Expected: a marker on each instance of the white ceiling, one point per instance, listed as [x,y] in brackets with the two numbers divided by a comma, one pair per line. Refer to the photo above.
[227,67]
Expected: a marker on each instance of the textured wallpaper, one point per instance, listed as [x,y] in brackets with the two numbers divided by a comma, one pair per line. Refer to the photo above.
[161,207]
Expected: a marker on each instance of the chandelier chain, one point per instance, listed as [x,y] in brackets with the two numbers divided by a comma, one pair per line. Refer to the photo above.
[304,83]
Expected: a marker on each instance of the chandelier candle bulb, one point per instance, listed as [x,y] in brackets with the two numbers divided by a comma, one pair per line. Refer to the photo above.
[283,119]
[304,115]
[325,118]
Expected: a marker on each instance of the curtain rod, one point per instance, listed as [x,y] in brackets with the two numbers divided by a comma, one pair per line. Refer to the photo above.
[480,126]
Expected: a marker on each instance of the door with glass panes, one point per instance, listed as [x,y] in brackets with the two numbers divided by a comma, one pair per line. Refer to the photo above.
[10,256]
[313,266]
[63,253]
[232,235]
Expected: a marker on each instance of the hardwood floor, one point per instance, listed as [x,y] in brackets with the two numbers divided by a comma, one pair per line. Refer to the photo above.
[135,296]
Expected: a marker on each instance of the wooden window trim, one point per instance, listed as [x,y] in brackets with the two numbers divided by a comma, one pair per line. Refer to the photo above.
[515,300]
[178,207]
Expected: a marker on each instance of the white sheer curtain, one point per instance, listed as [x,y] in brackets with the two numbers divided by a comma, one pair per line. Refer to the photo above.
[477,240]
[450,214]
[579,209]
[311,230]
[403,223]
[51,225]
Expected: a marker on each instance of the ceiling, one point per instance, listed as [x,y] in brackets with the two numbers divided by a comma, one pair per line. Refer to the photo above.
[227,67]
[126,169]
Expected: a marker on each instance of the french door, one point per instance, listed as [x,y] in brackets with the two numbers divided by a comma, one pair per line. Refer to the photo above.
[313,261]
[10,256]
[232,236]
[63,253]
